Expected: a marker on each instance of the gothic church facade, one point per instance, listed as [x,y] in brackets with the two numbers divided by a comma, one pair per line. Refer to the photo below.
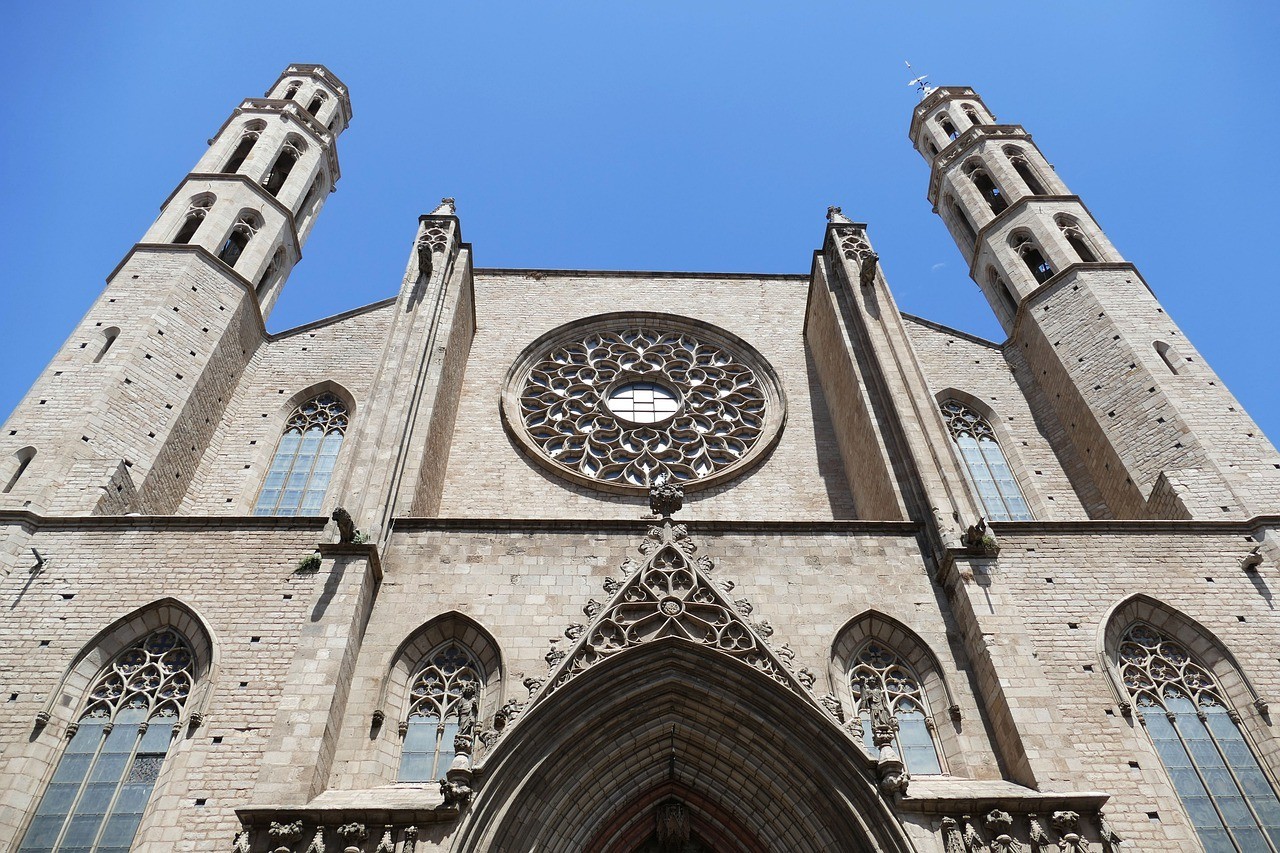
[567,560]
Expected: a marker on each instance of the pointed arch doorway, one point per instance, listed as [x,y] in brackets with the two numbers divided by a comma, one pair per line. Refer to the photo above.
[672,819]
[757,766]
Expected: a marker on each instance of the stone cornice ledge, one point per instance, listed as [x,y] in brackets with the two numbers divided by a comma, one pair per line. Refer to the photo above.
[1131,526]
[168,522]
[952,795]
[413,524]
[367,550]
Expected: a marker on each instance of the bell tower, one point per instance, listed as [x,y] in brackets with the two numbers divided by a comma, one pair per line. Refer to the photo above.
[1155,428]
[118,421]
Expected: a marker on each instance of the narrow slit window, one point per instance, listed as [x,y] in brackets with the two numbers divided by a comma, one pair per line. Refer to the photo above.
[109,336]
[988,469]
[304,460]
[1197,735]
[108,771]
[23,461]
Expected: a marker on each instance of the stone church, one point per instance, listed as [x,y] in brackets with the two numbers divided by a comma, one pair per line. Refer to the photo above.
[574,560]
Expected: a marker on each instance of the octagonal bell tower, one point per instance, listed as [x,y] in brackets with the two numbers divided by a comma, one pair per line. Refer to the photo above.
[1155,429]
[119,420]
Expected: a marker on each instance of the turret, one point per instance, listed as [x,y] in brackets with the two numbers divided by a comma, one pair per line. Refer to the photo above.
[119,420]
[1155,429]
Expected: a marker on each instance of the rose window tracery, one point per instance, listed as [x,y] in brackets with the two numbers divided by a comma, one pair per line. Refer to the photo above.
[624,405]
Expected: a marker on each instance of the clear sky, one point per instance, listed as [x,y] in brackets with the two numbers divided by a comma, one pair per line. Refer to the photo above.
[691,135]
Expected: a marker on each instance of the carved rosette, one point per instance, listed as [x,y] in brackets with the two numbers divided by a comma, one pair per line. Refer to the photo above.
[625,402]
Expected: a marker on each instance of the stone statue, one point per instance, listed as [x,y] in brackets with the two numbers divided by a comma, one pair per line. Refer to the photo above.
[468,714]
[346,526]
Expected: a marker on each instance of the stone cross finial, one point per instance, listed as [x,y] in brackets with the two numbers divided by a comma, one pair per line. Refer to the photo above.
[665,499]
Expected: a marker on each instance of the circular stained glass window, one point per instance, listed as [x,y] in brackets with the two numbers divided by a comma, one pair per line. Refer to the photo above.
[621,402]
[642,402]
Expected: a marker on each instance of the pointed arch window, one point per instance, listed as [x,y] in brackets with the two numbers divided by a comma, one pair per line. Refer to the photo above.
[1041,270]
[1074,235]
[1197,735]
[241,233]
[444,692]
[21,462]
[196,212]
[249,139]
[876,667]
[989,470]
[106,776]
[1023,167]
[285,161]
[303,463]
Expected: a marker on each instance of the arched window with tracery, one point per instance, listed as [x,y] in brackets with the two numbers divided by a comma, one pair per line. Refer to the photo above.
[285,161]
[1041,270]
[247,225]
[1197,735]
[196,212]
[248,139]
[444,694]
[876,667]
[1074,235]
[987,187]
[303,463]
[986,463]
[317,103]
[95,800]
[1018,159]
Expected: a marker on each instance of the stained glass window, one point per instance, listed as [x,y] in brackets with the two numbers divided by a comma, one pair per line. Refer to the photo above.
[876,667]
[304,460]
[435,693]
[1224,790]
[102,784]
[992,477]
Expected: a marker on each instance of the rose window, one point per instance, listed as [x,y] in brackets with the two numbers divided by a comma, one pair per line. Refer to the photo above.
[625,403]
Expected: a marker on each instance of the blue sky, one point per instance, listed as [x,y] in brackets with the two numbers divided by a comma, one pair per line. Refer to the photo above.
[658,135]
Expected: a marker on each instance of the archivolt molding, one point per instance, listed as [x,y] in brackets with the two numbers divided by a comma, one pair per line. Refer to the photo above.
[724,406]
[67,701]
[874,625]
[455,626]
[679,714]
[1197,639]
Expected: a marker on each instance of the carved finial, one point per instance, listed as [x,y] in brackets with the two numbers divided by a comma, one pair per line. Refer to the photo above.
[446,207]
[836,217]
[665,499]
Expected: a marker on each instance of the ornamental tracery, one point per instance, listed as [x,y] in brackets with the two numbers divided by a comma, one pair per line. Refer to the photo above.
[667,596]
[438,685]
[625,405]
[153,675]
[1156,668]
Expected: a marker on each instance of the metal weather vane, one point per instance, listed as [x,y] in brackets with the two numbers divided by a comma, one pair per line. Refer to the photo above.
[921,83]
